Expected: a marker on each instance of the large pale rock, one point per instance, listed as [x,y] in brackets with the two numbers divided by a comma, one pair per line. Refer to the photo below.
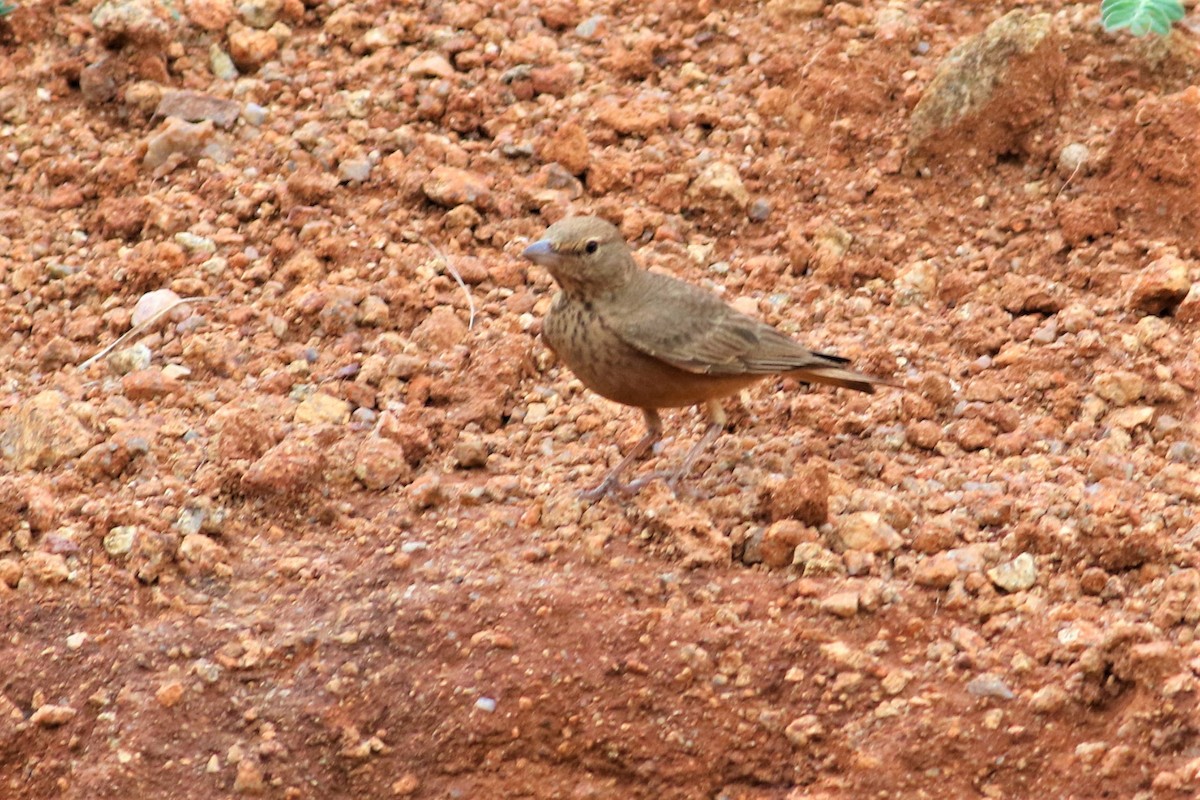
[44,433]
[1161,286]
[992,95]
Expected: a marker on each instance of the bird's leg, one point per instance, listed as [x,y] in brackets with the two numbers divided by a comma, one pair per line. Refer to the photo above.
[610,482]
[716,424]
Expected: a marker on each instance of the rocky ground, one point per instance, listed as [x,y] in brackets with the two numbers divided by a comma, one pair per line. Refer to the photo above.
[315,532]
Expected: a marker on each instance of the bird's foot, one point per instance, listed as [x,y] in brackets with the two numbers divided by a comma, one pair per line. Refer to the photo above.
[680,488]
[610,486]
[683,490]
[604,488]
[673,480]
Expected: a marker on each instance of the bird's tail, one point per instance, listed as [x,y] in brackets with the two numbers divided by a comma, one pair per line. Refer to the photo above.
[840,376]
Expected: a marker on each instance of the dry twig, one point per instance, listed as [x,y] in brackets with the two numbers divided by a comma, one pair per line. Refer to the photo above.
[456,276]
[144,326]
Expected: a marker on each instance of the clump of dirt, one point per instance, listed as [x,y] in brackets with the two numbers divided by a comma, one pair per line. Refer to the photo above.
[1155,159]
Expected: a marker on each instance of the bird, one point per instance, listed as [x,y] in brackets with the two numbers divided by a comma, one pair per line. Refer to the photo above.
[651,341]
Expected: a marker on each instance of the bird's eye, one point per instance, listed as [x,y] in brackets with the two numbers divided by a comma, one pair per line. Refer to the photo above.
[592,246]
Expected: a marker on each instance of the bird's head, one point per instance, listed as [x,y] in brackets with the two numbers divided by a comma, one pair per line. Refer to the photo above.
[586,255]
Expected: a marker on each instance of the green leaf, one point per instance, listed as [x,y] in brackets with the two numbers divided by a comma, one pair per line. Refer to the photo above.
[1141,16]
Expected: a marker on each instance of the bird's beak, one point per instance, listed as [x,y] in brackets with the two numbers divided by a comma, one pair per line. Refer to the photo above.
[542,252]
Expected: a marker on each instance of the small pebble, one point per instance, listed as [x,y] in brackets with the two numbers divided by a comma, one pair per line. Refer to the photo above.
[988,685]
[1016,575]
[760,209]
[590,28]
[131,359]
[254,114]
[221,64]
[151,304]
[52,716]
[354,170]
[841,604]
[119,540]
[1072,159]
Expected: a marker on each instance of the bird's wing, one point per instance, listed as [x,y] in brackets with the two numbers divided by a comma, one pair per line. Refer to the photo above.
[694,330]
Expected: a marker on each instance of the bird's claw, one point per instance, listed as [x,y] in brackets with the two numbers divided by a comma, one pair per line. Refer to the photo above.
[610,486]
[675,482]
[600,490]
